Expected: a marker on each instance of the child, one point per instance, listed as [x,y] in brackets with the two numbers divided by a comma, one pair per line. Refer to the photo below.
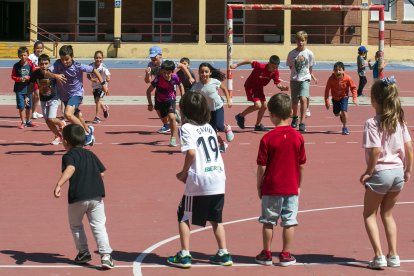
[210,82]
[85,195]
[339,84]
[69,75]
[48,97]
[204,177]
[38,48]
[98,93]
[183,75]
[165,97]
[300,61]
[21,76]
[279,176]
[362,56]
[260,76]
[389,158]
[378,67]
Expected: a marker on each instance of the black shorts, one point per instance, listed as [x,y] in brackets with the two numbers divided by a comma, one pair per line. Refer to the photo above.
[98,93]
[201,209]
[165,107]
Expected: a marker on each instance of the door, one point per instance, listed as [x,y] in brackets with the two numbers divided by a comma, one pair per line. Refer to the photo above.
[87,20]
[161,20]
[12,18]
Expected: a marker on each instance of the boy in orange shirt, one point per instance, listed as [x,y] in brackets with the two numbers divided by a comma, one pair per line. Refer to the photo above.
[339,84]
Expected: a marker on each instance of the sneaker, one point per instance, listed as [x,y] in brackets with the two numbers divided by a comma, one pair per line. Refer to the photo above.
[224,260]
[177,117]
[229,133]
[105,111]
[96,120]
[378,262]
[36,115]
[286,259]
[31,124]
[361,95]
[264,258]
[345,131]
[22,126]
[91,130]
[83,257]
[260,127]
[223,147]
[393,261]
[107,262]
[307,113]
[62,124]
[302,127]
[90,140]
[164,129]
[180,260]
[56,141]
[173,142]
[240,121]
[294,122]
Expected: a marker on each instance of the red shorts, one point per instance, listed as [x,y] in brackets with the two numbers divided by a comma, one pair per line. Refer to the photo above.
[255,94]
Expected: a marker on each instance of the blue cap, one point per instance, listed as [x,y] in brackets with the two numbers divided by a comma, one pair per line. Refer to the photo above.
[362,49]
[154,51]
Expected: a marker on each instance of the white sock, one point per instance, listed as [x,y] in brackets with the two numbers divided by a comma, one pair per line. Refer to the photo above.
[222,251]
[185,252]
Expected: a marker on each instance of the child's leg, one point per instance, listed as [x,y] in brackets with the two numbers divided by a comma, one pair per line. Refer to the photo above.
[362,83]
[184,230]
[220,234]
[267,232]
[390,226]
[173,124]
[372,201]
[28,114]
[288,234]
[256,106]
[21,114]
[97,220]
[52,124]
[261,112]
[36,100]
[303,106]
[83,123]
[97,105]
[76,212]
[344,117]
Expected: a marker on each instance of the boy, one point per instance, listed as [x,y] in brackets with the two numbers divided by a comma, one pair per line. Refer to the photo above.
[260,76]
[300,61]
[339,84]
[85,195]
[165,97]
[49,100]
[21,76]
[185,80]
[362,56]
[279,176]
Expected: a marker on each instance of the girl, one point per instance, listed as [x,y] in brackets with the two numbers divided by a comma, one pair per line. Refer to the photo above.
[98,94]
[208,85]
[204,178]
[389,158]
[378,67]
[38,48]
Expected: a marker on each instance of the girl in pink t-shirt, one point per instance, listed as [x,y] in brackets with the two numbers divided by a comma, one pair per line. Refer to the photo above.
[389,158]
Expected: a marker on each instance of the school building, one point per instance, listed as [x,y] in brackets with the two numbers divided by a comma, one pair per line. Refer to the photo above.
[197,28]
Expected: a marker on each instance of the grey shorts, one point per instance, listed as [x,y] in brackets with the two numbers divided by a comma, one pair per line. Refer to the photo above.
[299,89]
[386,181]
[283,207]
[49,108]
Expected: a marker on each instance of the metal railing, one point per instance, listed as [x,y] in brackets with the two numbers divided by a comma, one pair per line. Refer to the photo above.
[45,35]
[391,36]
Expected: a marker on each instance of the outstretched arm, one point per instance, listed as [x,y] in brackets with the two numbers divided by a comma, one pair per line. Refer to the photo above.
[234,66]
[186,71]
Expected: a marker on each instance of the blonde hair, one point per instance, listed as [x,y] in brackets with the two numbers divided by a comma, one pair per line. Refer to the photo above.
[386,96]
[301,35]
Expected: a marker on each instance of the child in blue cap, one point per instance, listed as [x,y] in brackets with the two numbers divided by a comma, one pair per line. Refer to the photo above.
[362,56]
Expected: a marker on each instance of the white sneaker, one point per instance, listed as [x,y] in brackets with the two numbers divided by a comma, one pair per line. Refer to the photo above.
[56,141]
[378,262]
[393,261]
[307,113]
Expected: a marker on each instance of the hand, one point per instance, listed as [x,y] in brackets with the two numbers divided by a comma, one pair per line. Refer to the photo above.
[407,176]
[182,176]
[230,103]
[61,78]
[355,102]
[148,70]
[364,178]
[150,107]
[233,66]
[107,92]
[327,105]
[26,101]
[24,79]
[57,191]
[105,89]
[315,80]
[191,80]
[284,88]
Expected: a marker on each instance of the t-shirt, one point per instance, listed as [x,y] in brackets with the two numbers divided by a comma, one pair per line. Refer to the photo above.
[47,87]
[260,76]
[299,63]
[206,175]
[34,59]
[392,146]
[18,72]
[340,87]
[165,89]
[86,183]
[282,151]
[361,66]
[185,79]
[210,91]
[103,71]
[74,79]
[155,69]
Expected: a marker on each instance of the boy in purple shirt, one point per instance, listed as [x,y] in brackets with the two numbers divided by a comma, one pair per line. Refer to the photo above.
[69,75]
[165,95]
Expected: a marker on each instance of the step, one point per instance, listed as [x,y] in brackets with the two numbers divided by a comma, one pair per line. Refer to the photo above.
[9,49]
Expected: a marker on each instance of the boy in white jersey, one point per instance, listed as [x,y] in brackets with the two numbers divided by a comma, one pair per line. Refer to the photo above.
[204,176]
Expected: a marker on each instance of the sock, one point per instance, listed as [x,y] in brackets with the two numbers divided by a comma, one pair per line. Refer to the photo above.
[222,251]
[185,252]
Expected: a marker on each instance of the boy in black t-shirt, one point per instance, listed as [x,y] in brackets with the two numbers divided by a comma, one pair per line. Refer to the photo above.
[86,189]
[184,78]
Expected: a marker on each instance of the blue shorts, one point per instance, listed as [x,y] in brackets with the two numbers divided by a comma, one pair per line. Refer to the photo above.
[386,181]
[341,105]
[283,207]
[20,101]
[74,101]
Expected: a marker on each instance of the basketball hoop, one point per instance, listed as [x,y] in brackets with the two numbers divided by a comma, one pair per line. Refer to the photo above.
[385,3]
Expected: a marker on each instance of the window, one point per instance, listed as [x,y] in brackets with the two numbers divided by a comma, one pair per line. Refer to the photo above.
[238,21]
[162,20]
[388,15]
[408,10]
[87,19]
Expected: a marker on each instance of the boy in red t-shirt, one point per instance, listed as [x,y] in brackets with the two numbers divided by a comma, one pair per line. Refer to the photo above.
[260,76]
[279,175]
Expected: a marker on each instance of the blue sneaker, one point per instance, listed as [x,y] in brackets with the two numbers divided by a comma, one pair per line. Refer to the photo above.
[180,261]
[302,127]
[240,121]
[90,140]
[294,123]
[224,259]
[91,130]
[164,129]
[345,131]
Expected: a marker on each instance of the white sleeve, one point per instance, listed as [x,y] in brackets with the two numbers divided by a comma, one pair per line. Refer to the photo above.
[186,139]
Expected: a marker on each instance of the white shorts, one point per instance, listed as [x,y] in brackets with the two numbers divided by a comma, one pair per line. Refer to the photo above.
[49,108]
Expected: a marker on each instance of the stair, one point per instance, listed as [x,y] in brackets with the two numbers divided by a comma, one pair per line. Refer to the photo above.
[9,49]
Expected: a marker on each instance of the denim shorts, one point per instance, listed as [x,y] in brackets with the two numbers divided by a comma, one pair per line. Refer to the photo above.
[74,101]
[386,181]
[299,89]
[20,101]
[341,105]
[283,207]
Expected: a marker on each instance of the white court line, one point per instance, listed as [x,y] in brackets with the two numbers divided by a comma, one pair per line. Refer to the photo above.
[330,142]
[138,262]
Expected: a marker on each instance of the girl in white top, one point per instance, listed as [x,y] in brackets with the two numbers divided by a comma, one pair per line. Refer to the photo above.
[389,158]
[209,83]
[38,48]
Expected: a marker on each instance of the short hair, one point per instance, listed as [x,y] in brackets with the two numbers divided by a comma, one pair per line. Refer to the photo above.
[168,65]
[194,108]
[98,52]
[274,60]
[340,65]
[74,134]
[22,49]
[280,105]
[185,59]
[44,57]
[301,35]
[66,50]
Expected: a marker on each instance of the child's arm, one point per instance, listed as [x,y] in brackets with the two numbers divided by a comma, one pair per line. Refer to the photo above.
[234,66]
[150,105]
[147,78]
[369,64]
[227,94]
[189,159]
[312,75]
[408,165]
[59,77]
[101,81]
[259,178]
[15,77]
[66,175]
[181,88]
[354,91]
[186,71]
[373,155]
[301,169]
[327,89]
[282,87]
